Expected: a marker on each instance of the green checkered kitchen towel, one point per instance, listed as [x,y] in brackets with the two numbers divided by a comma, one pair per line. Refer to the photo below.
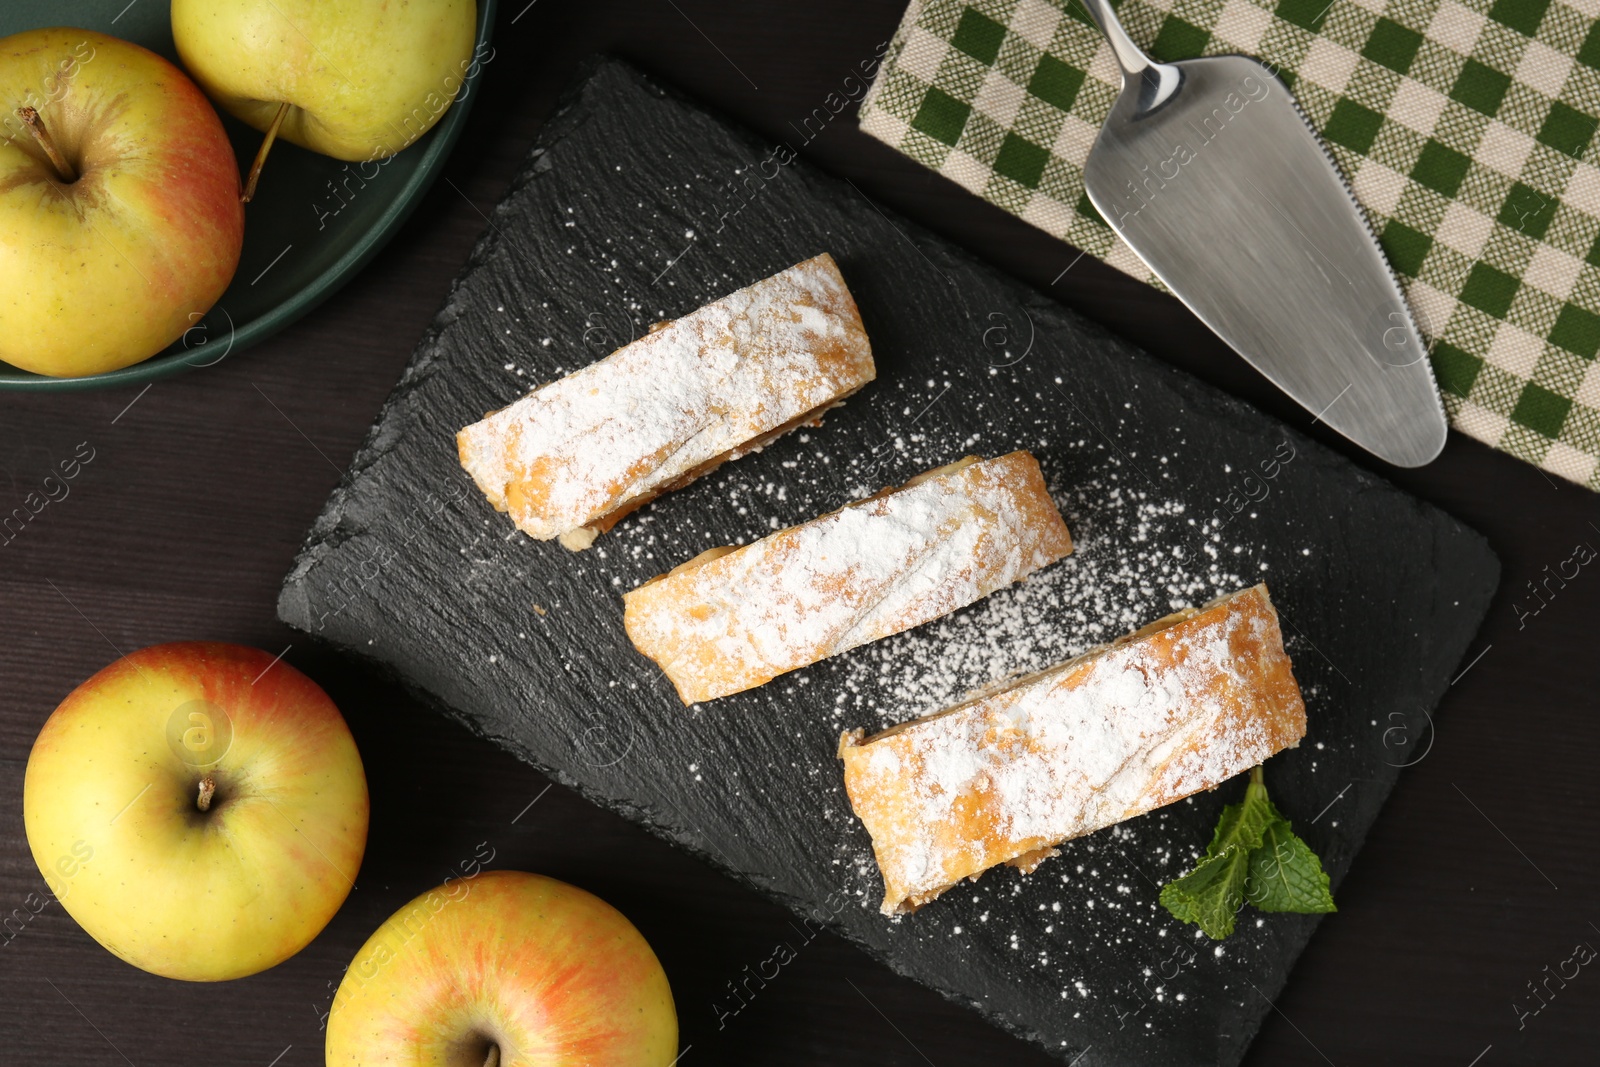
[1466,129]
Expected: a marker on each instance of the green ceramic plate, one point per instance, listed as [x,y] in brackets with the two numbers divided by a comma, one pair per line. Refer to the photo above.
[314,222]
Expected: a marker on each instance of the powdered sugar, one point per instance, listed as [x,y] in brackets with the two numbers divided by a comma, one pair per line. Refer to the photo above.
[1132,563]
[1077,748]
[868,570]
[710,384]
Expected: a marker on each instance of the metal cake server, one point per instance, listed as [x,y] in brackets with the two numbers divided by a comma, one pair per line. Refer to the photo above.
[1211,174]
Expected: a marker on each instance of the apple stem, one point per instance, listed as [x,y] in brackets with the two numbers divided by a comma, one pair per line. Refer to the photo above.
[493,1059]
[30,118]
[208,789]
[261,153]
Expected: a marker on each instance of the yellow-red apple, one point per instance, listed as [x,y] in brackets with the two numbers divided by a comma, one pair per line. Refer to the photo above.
[219,799]
[119,203]
[506,969]
[354,79]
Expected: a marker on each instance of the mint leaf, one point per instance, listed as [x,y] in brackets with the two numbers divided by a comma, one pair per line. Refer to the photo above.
[1209,896]
[1243,823]
[1285,875]
[1254,855]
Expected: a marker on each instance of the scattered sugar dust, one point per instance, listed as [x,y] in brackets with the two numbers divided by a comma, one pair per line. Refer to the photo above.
[1136,558]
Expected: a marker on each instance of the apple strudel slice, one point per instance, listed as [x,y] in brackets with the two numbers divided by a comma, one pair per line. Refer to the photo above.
[575,455]
[1177,707]
[733,618]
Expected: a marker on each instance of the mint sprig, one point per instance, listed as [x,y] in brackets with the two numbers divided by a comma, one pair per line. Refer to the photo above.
[1254,856]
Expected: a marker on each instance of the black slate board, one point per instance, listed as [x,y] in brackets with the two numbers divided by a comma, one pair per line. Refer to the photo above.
[638,206]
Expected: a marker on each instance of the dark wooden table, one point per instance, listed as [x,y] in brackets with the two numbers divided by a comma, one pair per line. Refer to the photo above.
[1479,875]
